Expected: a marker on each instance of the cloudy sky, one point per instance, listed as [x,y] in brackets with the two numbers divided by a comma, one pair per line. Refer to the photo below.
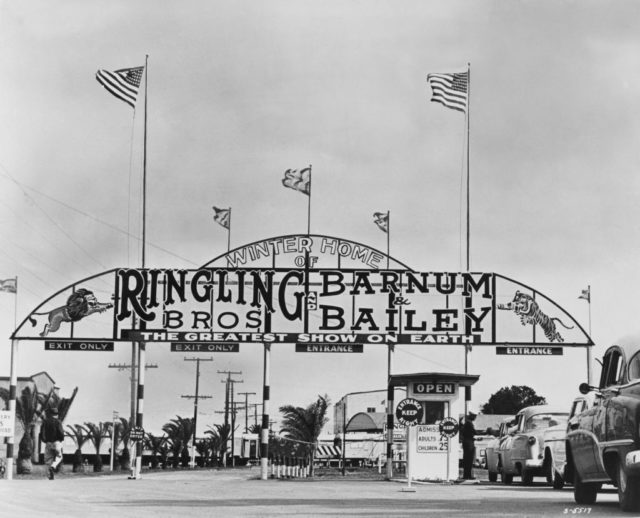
[239,91]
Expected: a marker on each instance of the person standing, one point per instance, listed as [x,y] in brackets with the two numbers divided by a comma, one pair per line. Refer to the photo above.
[468,446]
[52,434]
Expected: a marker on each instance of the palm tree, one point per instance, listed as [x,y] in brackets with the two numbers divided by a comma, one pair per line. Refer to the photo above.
[255,428]
[28,410]
[80,436]
[305,424]
[179,431]
[158,447]
[121,435]
[97,433]
[220,436]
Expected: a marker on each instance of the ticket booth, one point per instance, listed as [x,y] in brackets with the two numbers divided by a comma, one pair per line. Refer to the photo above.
[432,443]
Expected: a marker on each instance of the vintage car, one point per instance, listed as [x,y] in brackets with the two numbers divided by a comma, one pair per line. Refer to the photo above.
[522,452]
[491,451]
[603,446]
[555,438]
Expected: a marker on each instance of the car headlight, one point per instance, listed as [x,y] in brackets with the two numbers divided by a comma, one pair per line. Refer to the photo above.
[532,440]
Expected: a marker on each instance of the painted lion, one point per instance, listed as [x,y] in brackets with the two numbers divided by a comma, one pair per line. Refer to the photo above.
[79,304]
[527,308]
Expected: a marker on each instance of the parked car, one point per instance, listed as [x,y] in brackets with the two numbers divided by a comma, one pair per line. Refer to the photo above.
[481,442]
[522,452]
[603,446]
[555,438]
[491,451]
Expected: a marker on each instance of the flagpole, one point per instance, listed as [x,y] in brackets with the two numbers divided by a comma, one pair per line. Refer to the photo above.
[229,233]
[309,205]
[468,182]
[589,346]
[142,345]
[388,235]
[466,347]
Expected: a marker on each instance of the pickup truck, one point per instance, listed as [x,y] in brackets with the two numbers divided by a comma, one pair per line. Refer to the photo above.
[603,442]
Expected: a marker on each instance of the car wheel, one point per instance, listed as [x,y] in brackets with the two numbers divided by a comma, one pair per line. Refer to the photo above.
[549,469]
[585,492]
[527,477]
[493,476]
[628,490]
[558,480]
[507,478]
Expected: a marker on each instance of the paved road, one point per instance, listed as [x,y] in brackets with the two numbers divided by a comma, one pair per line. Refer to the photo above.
[239,493]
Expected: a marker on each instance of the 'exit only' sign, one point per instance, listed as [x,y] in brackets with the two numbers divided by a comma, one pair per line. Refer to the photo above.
[434,388]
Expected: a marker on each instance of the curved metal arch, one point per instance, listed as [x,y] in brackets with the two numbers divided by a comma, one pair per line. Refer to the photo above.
[56,294]
[551,301]
[383,254]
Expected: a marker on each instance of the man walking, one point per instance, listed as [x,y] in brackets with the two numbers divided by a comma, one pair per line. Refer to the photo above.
[52,434]
[468,446]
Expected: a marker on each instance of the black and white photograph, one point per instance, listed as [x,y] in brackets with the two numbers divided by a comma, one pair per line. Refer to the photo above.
[268,258]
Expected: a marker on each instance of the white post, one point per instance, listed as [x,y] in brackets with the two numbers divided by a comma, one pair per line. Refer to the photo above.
[13,383]
[113,438]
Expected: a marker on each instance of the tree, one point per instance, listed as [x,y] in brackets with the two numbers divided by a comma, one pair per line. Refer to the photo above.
[219,436]
[80,436]
[510,400]
[158,448]
[121,435]
[97,433]
[179,431]
[305,424]
[28,410]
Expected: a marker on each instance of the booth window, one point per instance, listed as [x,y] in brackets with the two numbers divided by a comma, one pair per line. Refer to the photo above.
[433,411]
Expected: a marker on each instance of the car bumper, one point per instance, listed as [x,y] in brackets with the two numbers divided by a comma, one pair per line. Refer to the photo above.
[534,463]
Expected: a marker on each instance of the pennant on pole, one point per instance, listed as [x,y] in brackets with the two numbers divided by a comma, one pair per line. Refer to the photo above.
[382,220]
[298,180]
[9,285]
[124,83]
[586,295]
[222,216]
[451,90]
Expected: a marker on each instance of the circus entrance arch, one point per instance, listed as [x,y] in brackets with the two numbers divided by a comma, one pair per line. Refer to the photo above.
[314,292]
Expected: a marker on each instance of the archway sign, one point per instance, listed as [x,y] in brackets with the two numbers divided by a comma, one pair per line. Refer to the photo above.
[321,293]
[311,290]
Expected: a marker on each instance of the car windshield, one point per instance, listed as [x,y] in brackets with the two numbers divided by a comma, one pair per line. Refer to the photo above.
[542,421]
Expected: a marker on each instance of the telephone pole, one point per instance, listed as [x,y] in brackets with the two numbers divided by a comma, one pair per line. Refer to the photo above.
[195,404]
[134,386]
[246,408]
[228,405]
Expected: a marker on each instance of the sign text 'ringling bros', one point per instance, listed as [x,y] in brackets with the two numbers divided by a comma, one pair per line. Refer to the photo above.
[312,304]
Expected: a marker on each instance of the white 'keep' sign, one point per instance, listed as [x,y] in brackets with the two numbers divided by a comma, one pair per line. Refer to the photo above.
[6,423]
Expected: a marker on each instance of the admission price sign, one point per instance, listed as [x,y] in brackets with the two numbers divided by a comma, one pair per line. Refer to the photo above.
[430,440]
[7,420]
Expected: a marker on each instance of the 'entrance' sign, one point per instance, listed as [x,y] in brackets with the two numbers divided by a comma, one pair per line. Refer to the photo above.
[329,348]
[529,351]
[409,412]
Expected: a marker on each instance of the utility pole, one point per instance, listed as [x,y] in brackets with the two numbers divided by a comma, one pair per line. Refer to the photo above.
[195,404]
[246,407]
[228,404]
[133,378]
[255,412]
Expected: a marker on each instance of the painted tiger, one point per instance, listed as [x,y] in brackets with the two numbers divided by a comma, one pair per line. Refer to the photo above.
[527,308]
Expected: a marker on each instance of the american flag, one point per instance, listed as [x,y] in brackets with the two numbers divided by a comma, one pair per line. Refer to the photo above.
[451,90]
[586,294]
[222,216]
[382,220]
[298,180]
[124,83]
[9,285]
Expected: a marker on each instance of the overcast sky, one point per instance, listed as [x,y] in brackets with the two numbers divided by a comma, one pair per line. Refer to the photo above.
[239,91]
